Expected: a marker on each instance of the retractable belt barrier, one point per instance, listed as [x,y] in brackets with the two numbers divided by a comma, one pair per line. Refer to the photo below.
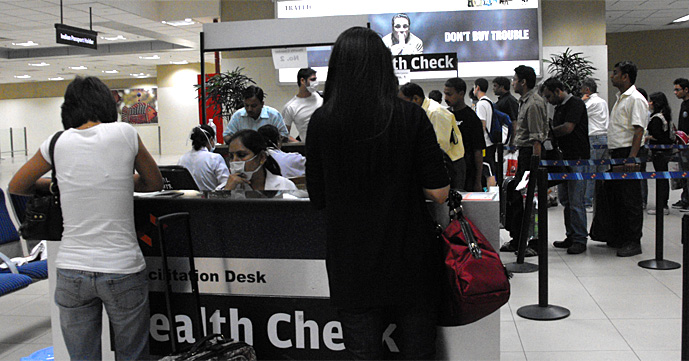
[659,263]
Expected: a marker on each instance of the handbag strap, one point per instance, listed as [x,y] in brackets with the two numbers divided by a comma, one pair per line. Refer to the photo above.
[51,152]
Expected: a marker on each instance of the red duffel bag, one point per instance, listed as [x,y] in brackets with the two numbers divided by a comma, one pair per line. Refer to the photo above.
[477,282]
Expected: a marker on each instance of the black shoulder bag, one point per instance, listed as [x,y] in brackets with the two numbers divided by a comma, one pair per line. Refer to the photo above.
[43,220]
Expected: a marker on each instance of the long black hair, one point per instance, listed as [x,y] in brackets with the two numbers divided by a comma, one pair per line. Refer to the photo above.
[201,135]
[361,85]
[660,105]
[255,143]
[361,106]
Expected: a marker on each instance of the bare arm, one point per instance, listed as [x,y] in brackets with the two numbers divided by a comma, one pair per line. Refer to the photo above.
[28,177]
[563,129]
[438,195]
[636,141]
[536,150]
[148,178]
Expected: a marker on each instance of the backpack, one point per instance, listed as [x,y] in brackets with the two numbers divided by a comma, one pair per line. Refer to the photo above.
[498,121]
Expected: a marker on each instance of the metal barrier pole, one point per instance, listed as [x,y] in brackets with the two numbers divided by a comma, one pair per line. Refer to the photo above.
[11,143]
[685,288]
[499,148]
[543,311]
[26,147]
[520,266]
[659,263]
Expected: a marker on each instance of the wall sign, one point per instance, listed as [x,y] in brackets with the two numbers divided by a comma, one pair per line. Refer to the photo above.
[70,35]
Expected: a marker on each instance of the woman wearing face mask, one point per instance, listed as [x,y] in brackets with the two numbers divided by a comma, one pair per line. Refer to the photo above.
[251,167]
[207,168]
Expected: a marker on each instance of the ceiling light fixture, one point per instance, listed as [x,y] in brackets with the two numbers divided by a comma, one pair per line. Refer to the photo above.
[185,22]
[140,75]
[682,19]
[39,64]
[110,71]
[153,57]
[25,76]
[56,79]
[113,38]
[80,67]
[183,62]
[28,43]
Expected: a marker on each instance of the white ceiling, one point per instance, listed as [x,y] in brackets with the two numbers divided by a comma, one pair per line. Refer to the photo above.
[139,21]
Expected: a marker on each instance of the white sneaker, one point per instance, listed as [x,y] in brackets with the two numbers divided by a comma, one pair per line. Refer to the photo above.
[589,209]
[652,211]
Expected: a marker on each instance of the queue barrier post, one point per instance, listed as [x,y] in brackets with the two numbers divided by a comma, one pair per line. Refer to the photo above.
[658,262]
[685,288]
[520,266]
[543,311]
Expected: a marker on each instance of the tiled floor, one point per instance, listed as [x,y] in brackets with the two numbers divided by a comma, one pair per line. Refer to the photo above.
[619,311]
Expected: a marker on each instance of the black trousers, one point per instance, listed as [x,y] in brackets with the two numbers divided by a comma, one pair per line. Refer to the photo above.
[625,206]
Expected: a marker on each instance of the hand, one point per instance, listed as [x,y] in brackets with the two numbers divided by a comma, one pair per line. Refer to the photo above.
[234,181]
[585,97]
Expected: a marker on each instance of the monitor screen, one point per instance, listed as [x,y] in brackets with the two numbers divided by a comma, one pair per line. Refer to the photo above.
[437,39]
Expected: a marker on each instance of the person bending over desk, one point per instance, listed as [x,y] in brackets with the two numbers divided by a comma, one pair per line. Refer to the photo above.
[208,169]
[252,167]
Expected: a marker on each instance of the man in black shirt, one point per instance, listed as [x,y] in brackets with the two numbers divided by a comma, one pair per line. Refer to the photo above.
[682,92]
[472,132]
[570,129]
[506,103]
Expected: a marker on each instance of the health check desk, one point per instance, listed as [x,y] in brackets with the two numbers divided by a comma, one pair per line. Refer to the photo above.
[260,261]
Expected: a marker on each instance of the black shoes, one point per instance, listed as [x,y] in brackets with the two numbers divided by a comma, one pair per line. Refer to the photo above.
[563,244]
[572,247]
[576,248]
[629,249]
[509,246]
[679,205]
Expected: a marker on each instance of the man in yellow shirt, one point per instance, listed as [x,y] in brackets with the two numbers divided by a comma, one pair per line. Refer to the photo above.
[446,130]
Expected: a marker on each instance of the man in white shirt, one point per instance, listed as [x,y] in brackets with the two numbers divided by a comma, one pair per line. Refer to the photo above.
[625,133]
[597,110]
[484,110]
[299,109]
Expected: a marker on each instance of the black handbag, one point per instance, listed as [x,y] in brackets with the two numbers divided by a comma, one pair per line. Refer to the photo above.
[43,220]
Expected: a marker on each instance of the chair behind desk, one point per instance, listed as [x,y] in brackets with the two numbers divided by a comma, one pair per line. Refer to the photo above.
[177,177]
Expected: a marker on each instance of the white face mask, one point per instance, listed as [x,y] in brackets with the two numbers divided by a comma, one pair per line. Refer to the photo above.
[313,87]
[239,167]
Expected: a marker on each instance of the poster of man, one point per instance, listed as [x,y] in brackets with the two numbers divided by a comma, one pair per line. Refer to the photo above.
[401,41]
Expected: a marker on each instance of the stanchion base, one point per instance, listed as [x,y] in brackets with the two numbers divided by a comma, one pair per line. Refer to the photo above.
[525,267]
[659,264]
[539,313]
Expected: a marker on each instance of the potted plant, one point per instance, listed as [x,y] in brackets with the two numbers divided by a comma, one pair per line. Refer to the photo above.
[571,68]
[224,90]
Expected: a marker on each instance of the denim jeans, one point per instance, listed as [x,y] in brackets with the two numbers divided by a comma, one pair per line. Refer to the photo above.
[571,194]
[80,297]
[415,331]
[595,154]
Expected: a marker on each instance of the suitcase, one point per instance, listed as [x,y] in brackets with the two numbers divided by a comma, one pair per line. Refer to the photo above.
[211,347]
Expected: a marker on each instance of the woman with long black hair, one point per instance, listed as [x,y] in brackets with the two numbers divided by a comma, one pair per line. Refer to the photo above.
[372,159]
[660,132]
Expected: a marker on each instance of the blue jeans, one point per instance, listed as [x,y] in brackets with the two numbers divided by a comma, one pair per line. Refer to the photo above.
[595,154]
[80,297]
[364,328]
[571,194]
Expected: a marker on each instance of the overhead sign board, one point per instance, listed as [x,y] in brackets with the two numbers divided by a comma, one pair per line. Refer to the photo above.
[70,35]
